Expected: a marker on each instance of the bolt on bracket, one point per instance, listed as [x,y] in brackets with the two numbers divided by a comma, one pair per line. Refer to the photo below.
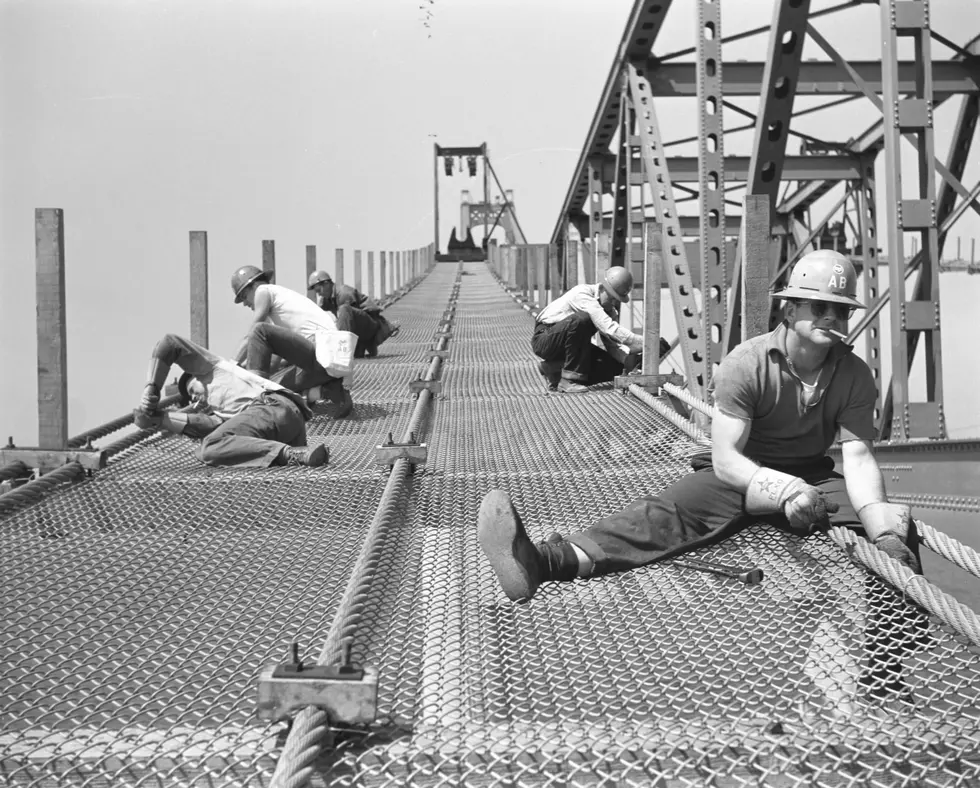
[388,452]
[347,692]
[433,386]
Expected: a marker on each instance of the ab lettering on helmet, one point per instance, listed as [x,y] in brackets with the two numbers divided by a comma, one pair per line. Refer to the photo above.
[838,281]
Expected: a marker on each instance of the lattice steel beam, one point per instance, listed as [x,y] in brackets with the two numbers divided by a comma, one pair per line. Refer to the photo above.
[711,179]
[642,29]
[914,114]
[675,256]
[768,165]
[680,80]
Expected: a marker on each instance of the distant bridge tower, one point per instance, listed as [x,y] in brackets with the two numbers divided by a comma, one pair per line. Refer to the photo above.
[487,213]
[490,215]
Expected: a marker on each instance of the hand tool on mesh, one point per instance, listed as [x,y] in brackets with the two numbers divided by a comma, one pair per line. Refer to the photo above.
[750,576]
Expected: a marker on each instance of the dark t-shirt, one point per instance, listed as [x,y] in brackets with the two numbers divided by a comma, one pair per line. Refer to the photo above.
[755,383]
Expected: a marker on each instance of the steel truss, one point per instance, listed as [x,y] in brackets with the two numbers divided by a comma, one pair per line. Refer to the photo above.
[626,157]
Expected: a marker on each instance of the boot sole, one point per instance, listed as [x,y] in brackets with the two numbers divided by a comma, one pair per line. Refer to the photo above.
[503,540]
[319,456]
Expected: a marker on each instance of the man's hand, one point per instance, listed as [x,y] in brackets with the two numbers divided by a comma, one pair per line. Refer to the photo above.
[807,509]
[150,399]
[887,526]
[147,420]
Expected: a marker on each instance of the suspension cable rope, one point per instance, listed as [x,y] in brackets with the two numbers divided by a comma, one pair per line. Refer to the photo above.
[916,587]
[311,725]
[962,555]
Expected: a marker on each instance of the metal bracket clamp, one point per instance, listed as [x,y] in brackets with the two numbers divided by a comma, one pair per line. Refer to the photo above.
[432,386]
[434,352]
[388,452]
[646,381]
[49,459]
[348,693]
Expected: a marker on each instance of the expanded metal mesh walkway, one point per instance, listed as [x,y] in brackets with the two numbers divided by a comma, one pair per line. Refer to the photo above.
[141,604]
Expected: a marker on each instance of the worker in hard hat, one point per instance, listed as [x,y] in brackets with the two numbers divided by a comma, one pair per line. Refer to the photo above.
[781,399]
[244,419]
[299,318]
[564,331]
[355,312]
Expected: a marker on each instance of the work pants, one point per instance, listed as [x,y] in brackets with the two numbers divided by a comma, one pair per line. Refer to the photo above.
[570,342]
[359,322]
[700,509]
[268,339]
[256,437]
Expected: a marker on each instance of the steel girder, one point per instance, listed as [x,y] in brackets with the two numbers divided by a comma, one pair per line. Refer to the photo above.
[711,181]
[680,80]
[778,81]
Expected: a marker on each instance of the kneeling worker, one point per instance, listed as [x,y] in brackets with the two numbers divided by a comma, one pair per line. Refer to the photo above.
[355,312]
[564,329]
[244,419]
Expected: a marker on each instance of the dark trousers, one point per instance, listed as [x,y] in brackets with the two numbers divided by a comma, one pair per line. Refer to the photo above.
[700,509]
[256,437]
[359,322]
[267,339]
[570,342]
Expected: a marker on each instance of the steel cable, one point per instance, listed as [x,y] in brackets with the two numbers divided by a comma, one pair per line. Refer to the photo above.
[916,587]
[36,489]
[311,725]
[14,470]
[689,428]
[960,554]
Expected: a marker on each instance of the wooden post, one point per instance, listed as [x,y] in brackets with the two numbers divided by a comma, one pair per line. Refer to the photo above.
[652,274]
[541,253]
[571,264]
[382,265]
[310,268]
[370,275]
[554,277]
[199,287]
[338,267]
[357,270]
[269,257]
[52,349]
[755,265]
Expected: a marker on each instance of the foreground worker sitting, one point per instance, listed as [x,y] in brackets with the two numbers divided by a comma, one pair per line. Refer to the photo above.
[355,312]
[564,329]
[289,310]
[244,419]
[781,400]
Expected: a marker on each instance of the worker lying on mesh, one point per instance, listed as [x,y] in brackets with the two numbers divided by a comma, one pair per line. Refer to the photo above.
[354,311]
[279,306]
[781,400]
[244,419]
[563,333]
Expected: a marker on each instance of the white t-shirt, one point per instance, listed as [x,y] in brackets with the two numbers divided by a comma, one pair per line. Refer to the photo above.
[297,312]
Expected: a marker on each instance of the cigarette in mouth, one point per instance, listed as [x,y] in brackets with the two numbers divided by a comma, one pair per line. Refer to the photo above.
[838,334]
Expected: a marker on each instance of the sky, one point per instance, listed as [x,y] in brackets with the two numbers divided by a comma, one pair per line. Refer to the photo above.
[307,122]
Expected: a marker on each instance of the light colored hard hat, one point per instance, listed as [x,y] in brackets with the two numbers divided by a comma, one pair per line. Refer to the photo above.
[823,275]
[316,277]
[244,276]
[618,282]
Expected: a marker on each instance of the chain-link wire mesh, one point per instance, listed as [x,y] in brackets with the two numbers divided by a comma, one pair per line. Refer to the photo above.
[143,602]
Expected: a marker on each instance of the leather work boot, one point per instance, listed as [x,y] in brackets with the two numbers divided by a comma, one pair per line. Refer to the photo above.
[551,371]
[566,386]
[520,566]
[340,397]
[312,457]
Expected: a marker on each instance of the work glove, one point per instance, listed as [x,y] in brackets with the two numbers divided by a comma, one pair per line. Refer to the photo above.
[147,421]
[887,526]
[150,399]
[807,509]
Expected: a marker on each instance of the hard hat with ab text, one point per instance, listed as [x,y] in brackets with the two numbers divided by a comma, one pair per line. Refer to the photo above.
[316,277]
[244,276]
[618,282]
[823,275]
